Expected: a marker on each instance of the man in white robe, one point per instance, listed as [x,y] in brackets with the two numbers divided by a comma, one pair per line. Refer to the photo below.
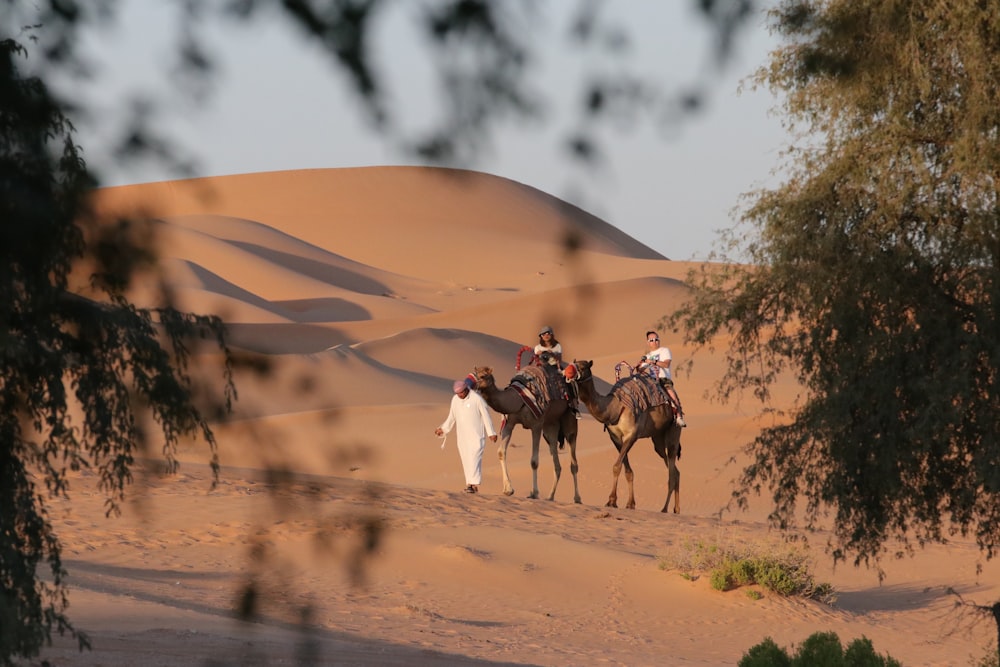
[471,416]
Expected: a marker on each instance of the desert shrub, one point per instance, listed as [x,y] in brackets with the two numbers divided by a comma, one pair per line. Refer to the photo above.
[861,653]
[775,567]
[765,654]
[784,577]
[692,556]
[722,579]
[821,649]
[745,572]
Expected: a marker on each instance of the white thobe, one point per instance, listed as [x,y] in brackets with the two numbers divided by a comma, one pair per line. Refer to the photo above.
[472,419]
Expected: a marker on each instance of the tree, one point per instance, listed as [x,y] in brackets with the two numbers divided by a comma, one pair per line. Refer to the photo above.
[62,353]
[84,371]
[872,276]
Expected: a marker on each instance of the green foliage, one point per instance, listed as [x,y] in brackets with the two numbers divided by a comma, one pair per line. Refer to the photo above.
[821,649]
[861,653]
[722,580]
[782,576]
[117,365]
[871,278]
[784,571]
[765,654]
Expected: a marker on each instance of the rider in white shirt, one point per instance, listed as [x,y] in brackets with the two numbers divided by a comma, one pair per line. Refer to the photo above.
[657,359]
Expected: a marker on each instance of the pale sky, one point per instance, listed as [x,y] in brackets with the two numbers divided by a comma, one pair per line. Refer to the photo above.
[278,104]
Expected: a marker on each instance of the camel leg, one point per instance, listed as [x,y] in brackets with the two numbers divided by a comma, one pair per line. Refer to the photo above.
[536,435]
[553,443]
[505,433]
[574,467]
[669,457]
[616,470]
[673,487]
[674,477]
[630,478]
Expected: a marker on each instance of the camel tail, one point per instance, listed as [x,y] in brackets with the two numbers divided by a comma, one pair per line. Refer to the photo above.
[561,438]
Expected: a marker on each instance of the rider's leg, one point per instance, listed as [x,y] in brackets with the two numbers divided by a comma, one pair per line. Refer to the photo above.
[668,385]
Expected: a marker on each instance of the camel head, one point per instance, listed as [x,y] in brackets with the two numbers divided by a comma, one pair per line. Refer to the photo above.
[484,377]
[578,370]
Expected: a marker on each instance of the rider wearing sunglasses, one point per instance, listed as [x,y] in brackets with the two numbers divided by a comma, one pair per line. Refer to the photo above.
[657,360]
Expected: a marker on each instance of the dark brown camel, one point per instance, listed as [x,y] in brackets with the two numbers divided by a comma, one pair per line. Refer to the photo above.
[557,414]
[625,428]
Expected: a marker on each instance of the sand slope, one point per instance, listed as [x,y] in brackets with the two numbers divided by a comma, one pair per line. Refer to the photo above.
[369,291]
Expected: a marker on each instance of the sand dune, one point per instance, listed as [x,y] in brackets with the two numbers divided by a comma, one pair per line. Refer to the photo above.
[369,291]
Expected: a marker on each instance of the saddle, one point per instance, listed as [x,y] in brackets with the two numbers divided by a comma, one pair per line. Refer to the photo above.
[538,386]
[640,392]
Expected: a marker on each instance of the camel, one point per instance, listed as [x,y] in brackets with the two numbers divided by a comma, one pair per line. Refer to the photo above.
[557,415]
[625,428]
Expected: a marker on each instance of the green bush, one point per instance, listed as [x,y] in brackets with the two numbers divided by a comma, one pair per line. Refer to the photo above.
[745,572]
[784,576]
[776,568]
[766,654]
[861,653]
[821,649]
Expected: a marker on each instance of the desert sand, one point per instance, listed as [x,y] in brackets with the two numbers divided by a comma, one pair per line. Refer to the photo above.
[370,290]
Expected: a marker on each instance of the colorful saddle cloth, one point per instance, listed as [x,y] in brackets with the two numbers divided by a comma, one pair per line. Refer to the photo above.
[639,393]
[538,386]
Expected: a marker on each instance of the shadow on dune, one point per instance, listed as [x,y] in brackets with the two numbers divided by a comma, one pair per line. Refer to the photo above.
[890,598]
[284,338]
[325,647]
[325,272]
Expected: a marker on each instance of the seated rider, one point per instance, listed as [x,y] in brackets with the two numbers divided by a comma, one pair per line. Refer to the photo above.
[548,345]
[549,351]
[657,359]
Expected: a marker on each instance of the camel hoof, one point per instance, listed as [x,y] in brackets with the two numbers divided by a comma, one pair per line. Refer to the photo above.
[611,504]
[533,496]
[508,492]
[577,500]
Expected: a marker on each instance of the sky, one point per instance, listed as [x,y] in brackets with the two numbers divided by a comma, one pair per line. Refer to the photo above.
[277,104]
